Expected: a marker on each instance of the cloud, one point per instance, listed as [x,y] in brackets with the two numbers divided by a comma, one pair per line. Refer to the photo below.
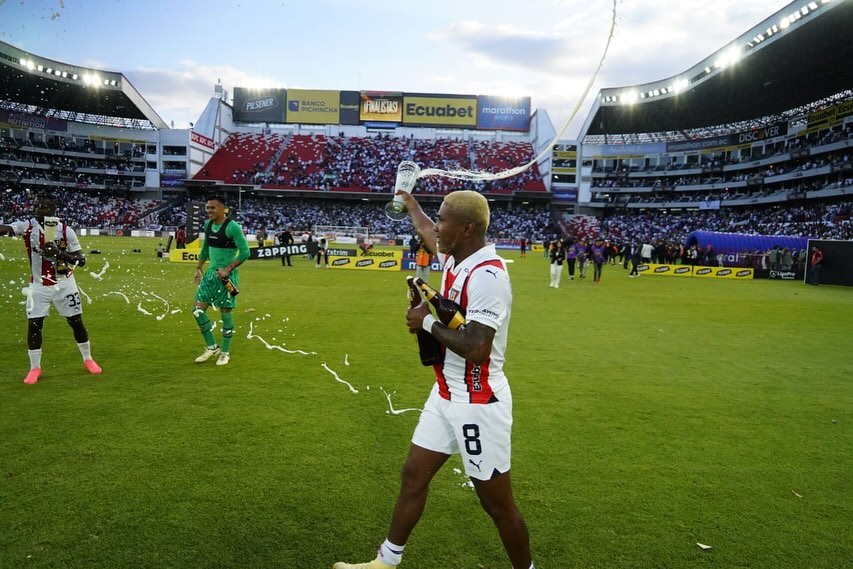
[180,94]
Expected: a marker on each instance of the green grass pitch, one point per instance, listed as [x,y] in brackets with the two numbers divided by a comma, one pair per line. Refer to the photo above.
[651,414]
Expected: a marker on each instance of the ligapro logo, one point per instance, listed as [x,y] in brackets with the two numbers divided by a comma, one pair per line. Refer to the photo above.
[256,105]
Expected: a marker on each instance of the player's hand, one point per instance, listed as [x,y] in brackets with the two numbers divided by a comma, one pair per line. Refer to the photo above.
[415,317]
[197,276]
[50,250]
[408,199]
[222,273]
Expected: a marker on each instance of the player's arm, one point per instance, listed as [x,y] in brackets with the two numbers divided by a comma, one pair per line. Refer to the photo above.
[203,256]
[473,342]
[423,224]
[73,255]
[235,232]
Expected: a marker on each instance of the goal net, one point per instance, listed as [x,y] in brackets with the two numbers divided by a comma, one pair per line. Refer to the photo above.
[349,234]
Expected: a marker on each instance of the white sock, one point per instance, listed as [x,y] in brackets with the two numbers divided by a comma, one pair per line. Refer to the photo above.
[391,553]
[35,358]
[85,350]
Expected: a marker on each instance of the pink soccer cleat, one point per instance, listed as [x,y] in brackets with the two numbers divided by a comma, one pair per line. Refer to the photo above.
[33,376]
[93,367]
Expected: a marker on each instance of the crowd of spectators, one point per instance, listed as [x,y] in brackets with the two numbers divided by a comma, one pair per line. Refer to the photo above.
[825,221]
[368,164]
[79,209]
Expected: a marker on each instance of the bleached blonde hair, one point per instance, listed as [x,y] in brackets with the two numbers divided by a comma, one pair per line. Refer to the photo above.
[470,206]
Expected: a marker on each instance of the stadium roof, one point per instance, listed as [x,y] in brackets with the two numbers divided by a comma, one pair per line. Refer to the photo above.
[46,87]
[799,55]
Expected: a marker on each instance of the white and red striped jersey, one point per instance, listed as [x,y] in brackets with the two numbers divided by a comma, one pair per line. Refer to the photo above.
[42,270]
[479,284]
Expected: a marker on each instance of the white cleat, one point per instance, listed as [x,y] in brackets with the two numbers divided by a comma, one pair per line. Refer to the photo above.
[224,358]
[207,354]
[375,564]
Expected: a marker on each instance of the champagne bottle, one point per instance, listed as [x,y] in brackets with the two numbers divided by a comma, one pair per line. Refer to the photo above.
[229,286]
[448,312]
[429,348]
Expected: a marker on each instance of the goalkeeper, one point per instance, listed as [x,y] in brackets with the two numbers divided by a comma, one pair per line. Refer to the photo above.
[226,247]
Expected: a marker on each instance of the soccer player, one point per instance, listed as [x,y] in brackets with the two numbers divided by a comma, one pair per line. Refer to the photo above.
[226,247]
[469,410]
[51,282]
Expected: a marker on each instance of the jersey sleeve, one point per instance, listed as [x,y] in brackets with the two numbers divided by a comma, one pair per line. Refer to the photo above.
[73,241]
[489,297]
[235,232]
[19,227]
[204,254]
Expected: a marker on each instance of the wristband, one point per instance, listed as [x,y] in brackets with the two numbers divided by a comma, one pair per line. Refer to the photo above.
[429,320]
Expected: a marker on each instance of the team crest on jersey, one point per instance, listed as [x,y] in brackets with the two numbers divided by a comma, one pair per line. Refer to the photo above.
[63,244]
[454,294]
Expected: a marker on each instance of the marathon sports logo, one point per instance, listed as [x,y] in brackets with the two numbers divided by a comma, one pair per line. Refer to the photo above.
[364,262]
[387,264]
[503,111]
[340,262]
[378,254]
[701,272]
[256,105]
[743,273]
[663,269]
[724,272]
[682,270]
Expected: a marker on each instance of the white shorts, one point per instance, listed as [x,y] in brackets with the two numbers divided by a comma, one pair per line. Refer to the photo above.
[64,295]
[481,434]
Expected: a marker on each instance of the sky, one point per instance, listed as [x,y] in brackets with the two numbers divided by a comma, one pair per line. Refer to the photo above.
[173,52]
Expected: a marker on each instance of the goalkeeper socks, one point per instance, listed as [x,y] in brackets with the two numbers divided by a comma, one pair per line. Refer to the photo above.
[85,350]
[391,553]
[205,326]
[35,358]
[227,331]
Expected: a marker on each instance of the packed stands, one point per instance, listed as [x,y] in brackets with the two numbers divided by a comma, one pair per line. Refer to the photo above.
[365,164]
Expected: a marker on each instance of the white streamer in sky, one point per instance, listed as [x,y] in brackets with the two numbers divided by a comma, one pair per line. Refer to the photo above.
[475,176]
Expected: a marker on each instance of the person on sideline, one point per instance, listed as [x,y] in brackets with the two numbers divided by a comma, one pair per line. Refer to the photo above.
[815,263]
[469,410]
[557,257]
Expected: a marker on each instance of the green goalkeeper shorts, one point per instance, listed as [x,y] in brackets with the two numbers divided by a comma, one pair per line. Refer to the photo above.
[211,290]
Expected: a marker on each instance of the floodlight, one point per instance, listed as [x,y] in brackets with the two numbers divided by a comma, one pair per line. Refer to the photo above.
[48,70]
[630,97]
[39,67]
[64,74]
[74,77]
[57,72]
